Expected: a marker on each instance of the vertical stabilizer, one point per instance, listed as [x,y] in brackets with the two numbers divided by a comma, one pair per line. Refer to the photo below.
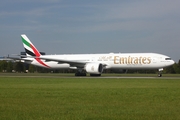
[30,49]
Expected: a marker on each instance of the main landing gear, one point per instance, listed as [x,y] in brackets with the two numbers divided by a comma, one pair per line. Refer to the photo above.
[96,75]
[80,73]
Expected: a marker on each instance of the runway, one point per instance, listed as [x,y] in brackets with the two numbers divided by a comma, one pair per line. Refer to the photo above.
[88,77]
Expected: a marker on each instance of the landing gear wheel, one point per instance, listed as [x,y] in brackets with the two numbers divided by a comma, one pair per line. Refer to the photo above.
[95,74]
[159,75]
[80,74]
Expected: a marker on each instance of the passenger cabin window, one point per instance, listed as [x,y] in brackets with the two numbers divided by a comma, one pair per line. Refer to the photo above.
[167,58]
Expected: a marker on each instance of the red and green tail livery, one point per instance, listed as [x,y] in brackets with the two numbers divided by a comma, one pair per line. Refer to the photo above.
[31,50]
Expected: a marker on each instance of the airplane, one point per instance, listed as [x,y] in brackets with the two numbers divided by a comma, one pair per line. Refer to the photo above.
[94,64]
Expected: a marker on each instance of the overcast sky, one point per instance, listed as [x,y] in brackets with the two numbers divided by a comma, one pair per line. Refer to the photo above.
[91,26]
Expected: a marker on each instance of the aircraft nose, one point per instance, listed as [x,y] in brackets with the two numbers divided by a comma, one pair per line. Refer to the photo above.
[171,62]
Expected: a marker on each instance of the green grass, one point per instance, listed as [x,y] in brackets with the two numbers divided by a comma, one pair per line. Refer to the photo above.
[89,99]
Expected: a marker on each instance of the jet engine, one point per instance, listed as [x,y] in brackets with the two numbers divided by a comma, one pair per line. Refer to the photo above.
[94,68]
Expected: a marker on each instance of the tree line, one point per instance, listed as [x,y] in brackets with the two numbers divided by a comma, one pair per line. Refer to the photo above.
[9,66]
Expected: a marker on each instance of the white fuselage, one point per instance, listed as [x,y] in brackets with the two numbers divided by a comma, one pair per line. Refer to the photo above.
[111,60]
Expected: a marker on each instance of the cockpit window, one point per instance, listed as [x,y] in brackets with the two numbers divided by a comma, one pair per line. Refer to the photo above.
[167,58]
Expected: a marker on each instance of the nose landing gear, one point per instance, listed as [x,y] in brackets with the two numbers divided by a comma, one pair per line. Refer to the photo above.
[160,72]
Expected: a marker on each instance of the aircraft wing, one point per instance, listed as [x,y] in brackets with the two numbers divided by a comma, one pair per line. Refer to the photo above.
[73,63]
[79,64]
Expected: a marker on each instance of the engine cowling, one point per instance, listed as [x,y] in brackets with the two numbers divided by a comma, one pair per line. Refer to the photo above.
[94,68]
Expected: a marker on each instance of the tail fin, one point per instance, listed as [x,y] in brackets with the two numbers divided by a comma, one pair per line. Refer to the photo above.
[30,49]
